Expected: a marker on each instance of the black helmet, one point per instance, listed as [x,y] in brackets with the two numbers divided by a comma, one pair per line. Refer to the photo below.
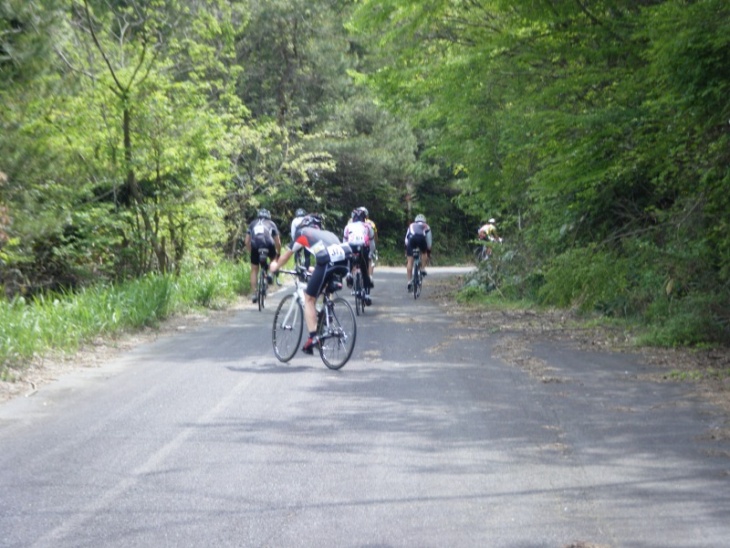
[264,214]
[300,213]
[358,215]
[311,220]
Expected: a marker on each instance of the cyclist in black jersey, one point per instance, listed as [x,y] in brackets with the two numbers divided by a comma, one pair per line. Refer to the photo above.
[261,233]
[418,236]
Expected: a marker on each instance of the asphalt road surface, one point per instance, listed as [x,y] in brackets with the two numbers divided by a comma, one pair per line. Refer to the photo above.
[425,438]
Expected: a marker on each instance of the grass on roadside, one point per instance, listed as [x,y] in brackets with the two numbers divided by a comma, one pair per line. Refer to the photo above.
[31,328]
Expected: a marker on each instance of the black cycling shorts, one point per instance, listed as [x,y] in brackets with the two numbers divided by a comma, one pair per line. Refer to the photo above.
[322,274]
[416,241]
[255,252]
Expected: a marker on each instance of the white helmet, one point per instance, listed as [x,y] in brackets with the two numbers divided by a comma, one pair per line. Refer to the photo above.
[492,221]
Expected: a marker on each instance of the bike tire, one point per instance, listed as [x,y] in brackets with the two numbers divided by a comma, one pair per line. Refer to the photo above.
[286,333]
[261,289]
[338,341]
[359,302]
[416,281]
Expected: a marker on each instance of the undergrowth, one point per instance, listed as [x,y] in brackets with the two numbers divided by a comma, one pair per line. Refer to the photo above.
[62,322]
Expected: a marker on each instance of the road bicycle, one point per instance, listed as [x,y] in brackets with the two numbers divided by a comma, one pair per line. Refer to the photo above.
[336,324]
[483,251]
[358,285]
[263,281]
[417,279]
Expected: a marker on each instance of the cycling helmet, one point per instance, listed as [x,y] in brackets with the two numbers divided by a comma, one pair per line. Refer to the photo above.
[420,218]
[311,220]
[358,215]
[365,211]
[492,221]
[300,213]
[264,214]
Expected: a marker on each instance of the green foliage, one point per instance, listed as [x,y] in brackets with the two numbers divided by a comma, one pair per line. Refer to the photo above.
[592,279]
[596,133]
[696,375]
[691,320]
[63,322]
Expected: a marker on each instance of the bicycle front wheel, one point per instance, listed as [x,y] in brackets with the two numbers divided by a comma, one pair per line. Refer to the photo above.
[286,333]
[337,340]
[416,281]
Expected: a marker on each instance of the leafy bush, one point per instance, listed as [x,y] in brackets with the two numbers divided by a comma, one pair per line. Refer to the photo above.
[587,278]
[689,321]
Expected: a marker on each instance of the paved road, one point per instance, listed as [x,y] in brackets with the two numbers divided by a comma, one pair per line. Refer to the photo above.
[423,439]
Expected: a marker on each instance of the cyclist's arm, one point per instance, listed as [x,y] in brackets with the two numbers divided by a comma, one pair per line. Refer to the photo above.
[277,245]
[283,258]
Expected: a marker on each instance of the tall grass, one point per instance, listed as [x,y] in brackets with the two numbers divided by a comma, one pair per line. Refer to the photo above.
[63,322]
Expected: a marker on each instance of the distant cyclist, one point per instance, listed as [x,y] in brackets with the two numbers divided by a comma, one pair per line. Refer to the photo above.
[299,214]
[331,256]
[359,234]
[488,231]
[419,237]
[373,244]
[262,234]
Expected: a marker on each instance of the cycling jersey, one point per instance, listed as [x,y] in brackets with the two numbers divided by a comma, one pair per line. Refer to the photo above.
[294,224]
[418,235]
[262,232]
[359,233]
[331,256]
[489,231]
[324,245]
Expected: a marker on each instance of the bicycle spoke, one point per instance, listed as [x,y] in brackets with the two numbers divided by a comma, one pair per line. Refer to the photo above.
[337,341]
[359,304]
[287,329]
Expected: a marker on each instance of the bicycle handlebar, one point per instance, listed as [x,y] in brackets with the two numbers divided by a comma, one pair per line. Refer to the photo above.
[299,272]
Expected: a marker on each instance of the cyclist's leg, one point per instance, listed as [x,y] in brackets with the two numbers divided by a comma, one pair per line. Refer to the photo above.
[272,256]
[311,292]
[365,267]
[351,268]
[424,257]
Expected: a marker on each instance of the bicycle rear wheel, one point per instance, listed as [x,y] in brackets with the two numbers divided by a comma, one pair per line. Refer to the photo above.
[261,288]
[359,302]
[286,334]
[337,341]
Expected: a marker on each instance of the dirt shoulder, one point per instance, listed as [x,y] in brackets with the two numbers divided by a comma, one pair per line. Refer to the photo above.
[708,370]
